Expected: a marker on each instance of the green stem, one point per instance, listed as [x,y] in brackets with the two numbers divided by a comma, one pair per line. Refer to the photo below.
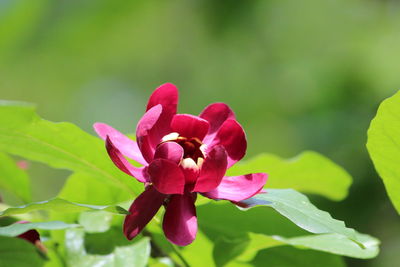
[178,253]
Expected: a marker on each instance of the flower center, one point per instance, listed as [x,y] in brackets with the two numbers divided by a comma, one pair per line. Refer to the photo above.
[193,148]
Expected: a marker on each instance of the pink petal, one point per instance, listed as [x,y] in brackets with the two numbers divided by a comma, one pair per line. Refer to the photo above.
[189,126]
[121,162]
[212,171]
[238,188]
[167,96]
[233,138]
[146,132]
[128,147]
[142,211]
[216,114]
[169,150]
[180,221]
[166,176]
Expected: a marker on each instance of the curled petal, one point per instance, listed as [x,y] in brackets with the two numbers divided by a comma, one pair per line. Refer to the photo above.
[166,176]
[212,171]
[189,126]
[180,221]
[146,132]
[142,211]
[238,188]
[169,150]
[216,114]
[126,146]
[167,96]
[233,138]
[121,162]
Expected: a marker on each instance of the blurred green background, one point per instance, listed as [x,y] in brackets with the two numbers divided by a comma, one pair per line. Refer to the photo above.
[300,75]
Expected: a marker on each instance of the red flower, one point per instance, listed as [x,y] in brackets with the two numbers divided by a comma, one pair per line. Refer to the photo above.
[182,155]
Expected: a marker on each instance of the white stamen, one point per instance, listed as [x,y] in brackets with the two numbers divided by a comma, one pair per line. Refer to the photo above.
[188,163]
[170,137]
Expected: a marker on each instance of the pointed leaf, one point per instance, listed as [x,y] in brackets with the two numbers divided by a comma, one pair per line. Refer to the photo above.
[297,208]
[332,243]
[309,172]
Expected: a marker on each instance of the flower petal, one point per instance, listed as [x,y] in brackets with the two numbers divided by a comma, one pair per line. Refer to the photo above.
[142,211]
[121,162]
[189,126]
[146,132]
[166,176]
[238,188]
[30,236]
[212,171]
[216,114]
[169,150]
[180,221]
[126,146]
[167,96]
[233,138]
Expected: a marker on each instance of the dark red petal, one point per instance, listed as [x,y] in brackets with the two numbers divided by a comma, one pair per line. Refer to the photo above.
[167,96]
[169,150]
[212,171]
[189,126]
[166,176]
[125,145]
[119,161]
[216,114]
[180,221]
[142,210]
[238,188]
[233,138]
[146,132]
[30,236]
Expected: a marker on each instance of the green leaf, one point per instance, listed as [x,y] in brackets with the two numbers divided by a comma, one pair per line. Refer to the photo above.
[18,252]
[297,208]
[308,172]
[14,179]
[227,249]
[384,146]
[19,228]
[291,257]
[60,205]
[95,221]
[60,145]
[86,188]
[332,243]
[135,255]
